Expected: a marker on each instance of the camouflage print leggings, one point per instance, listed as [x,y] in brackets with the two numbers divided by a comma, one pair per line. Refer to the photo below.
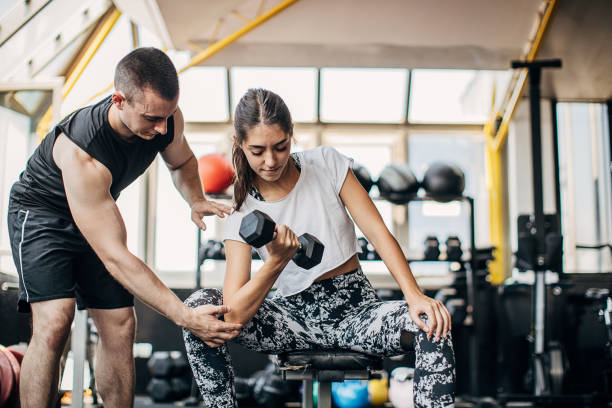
[342,312]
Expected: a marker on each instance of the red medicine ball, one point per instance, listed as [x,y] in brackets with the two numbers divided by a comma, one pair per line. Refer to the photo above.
[216,173]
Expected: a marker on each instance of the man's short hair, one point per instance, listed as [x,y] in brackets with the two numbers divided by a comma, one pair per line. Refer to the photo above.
[146,67]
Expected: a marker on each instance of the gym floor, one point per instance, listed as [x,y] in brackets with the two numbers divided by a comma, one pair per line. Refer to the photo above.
[145,402]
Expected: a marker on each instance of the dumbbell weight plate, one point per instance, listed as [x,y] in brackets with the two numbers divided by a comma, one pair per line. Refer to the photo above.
[432,249]
[14,363]
[18,351]
[7,379]
[257,228]
[160,390]
[310,252]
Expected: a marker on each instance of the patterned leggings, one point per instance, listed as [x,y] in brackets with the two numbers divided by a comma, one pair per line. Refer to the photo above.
[342,312]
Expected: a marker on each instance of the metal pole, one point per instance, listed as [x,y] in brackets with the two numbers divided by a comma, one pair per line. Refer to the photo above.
[539,379]
[555,137]
[199,262]
[307,394]
[324,398]
[78,345]
[536,156]
[472,283]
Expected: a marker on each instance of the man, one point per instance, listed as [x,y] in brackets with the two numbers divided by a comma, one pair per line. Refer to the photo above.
[69,240]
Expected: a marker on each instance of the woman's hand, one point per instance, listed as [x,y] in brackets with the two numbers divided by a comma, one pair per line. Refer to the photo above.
[438,317]
[283,246]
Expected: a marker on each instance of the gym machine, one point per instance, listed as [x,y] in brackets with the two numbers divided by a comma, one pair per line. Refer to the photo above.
[540,246]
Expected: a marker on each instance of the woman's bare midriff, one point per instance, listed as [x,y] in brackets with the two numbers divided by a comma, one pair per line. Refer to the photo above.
[348,266]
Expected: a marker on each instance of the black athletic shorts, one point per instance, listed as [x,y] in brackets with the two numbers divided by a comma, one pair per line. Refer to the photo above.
[54,261]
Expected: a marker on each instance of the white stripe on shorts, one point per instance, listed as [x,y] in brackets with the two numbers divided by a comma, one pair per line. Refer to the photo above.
[20,257]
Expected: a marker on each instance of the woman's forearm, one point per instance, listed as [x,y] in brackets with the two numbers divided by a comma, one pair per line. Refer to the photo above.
[245,301]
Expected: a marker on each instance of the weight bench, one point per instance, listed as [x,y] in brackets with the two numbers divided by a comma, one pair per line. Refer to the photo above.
[326,366]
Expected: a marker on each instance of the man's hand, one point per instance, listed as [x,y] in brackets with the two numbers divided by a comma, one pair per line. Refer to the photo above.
[206,325]
[202,208]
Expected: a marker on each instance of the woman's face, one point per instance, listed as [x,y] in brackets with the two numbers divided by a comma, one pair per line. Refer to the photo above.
[267,149]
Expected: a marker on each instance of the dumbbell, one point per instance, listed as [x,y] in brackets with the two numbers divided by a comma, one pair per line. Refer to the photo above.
[168,389]
[432,248]
[211,250]
[167,363]
[257,229]
[453,248]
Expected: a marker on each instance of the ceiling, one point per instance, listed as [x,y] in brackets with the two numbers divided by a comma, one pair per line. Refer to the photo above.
[580,34]
[466,34]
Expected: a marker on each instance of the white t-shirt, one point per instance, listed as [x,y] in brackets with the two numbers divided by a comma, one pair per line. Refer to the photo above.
[312,206]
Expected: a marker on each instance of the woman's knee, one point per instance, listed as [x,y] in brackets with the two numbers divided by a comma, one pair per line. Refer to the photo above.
[205,297]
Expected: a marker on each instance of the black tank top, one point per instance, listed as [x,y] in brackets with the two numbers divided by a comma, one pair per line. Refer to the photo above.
[40,186]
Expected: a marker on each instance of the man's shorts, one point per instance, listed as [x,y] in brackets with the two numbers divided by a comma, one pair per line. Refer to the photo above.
[54,261]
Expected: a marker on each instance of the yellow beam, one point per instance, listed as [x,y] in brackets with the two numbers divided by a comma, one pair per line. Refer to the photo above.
[496,137]
[81,61]
[219,45]
[99,35]
[519,87]
[495,190]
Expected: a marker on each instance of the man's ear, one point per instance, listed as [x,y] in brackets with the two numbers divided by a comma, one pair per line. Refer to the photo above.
[118,99]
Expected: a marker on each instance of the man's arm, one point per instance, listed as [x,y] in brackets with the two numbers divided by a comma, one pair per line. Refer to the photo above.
[87,183]
[183,167]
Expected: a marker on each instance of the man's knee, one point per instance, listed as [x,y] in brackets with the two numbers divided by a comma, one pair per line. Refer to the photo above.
[51,323]
[117,328]
[54,335]
[205,297]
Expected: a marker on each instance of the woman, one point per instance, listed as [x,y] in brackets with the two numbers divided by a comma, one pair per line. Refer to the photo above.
[331,305]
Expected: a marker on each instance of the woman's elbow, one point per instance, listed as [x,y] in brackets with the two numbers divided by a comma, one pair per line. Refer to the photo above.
[236,316]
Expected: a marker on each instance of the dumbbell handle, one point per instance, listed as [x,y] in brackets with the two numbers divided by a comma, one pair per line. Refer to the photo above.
[300,249]
[257,229]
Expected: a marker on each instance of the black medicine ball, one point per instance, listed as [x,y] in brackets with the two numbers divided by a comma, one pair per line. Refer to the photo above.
[397,183]
[444,182]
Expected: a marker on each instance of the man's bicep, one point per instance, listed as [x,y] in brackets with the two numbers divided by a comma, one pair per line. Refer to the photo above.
[87,186]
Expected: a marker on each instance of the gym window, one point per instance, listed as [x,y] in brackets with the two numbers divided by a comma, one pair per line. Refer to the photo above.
[453,95]
[297,86]
[586,195]
[204,94]
[353,95]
